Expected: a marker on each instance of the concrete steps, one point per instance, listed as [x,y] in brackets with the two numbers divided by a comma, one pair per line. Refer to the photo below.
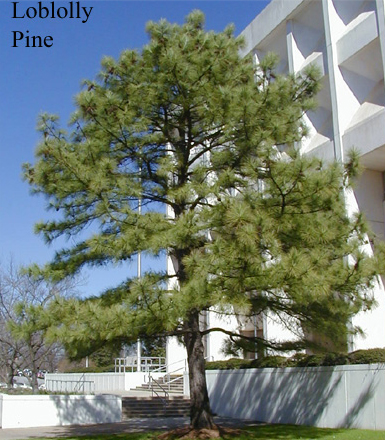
[174,388]
[151,407]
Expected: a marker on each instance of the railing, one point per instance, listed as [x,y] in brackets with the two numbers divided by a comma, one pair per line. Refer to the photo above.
[166,394]
[166,379]
[166,367]
[71,386]
[147,364]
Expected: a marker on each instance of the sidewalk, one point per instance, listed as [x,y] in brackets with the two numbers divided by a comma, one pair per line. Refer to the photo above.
[132,425]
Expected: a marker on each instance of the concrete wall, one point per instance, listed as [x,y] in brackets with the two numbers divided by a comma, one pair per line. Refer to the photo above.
[350,396]
[32,411]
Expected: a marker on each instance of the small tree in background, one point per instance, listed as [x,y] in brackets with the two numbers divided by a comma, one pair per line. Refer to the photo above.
[189,126]
[22,343]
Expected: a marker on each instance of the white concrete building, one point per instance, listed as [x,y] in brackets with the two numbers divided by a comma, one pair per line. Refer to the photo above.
[346,39]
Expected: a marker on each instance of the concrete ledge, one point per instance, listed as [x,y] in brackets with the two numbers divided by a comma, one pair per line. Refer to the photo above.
[33,411]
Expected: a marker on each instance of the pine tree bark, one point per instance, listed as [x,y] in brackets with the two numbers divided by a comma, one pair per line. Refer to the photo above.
[200,412]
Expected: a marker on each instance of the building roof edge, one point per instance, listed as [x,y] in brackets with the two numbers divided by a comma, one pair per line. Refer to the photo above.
[266,21]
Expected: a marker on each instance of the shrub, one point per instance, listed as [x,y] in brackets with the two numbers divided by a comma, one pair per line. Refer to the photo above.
[321,359]
[335,359]
[270,362]
[297,360]
[229,364]
[93,369]
[371,356]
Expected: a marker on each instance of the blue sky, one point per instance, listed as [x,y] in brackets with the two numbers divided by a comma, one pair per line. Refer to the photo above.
[33,80]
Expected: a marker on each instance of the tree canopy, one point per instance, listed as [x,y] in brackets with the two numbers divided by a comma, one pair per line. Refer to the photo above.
[206,142]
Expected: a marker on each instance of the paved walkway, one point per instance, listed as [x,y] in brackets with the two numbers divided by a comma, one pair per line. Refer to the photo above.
[133,425]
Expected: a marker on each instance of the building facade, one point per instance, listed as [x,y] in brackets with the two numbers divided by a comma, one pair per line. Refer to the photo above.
[346,40]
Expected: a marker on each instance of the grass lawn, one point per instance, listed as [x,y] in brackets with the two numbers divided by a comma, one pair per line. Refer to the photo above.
[279,432]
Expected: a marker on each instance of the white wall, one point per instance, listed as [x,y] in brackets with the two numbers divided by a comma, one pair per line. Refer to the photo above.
[175,352]
[371,201]
[351,396]
[33,411]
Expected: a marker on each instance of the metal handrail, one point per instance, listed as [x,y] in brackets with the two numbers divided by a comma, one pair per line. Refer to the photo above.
[173,380]
[171,373]
[166,367]
[166,394]
[168,374]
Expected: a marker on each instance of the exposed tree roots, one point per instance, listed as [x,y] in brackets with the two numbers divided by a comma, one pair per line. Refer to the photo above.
[187,432]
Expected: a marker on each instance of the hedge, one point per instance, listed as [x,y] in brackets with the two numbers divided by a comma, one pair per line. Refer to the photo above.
[370,356]
[93,369]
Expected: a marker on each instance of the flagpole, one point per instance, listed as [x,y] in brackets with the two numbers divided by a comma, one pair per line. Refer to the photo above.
[139,263]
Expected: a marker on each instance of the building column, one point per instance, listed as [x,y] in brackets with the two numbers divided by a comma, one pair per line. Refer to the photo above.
[380,5]
[332,70]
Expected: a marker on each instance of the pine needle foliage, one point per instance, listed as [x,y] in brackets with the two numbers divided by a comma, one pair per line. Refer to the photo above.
[195,132]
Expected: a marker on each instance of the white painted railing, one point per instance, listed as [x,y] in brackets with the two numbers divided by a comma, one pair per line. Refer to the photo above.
[93,383]
[70,386]
[130,364]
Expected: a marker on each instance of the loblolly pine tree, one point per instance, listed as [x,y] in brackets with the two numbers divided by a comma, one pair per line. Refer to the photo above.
[187,126]
[284,246]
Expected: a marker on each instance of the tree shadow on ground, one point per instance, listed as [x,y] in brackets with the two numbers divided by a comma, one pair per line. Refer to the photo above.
[116,430]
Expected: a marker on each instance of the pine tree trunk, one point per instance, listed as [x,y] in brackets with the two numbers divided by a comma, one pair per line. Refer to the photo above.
[200,412]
